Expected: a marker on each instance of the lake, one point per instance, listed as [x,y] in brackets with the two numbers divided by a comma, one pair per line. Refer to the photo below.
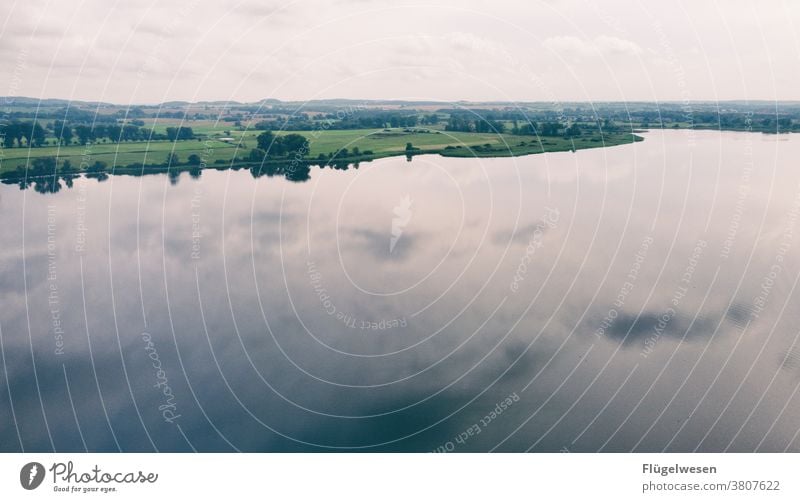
[635,298]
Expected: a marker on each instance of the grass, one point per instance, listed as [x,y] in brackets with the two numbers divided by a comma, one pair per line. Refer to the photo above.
[391,142]
[381,142]
[114,154]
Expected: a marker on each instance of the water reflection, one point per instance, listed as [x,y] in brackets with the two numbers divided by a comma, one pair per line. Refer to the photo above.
[395,306]
[52,182]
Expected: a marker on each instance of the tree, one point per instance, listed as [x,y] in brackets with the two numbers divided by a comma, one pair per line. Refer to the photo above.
[67,167]
[114,132]
[265,140]
[19,132]
[295,144]
[179,133]
[550,128]
[84,133]
[194,160]
[130,133]
[99,131]
[68,172]
[573,131]
[98,167]
[97,170]
[25,131]
[459,123]
[38,134]
[185,133]
[356,151]
[256,155]
[9,134]
[43,165]
[62,132]
[409,147]
[172,159]
[66,135]
[280,146]
[528,129]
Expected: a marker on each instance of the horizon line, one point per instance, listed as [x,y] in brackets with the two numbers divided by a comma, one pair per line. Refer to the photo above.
[10,100]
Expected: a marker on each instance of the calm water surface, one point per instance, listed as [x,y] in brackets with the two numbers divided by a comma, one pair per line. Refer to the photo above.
[640,297]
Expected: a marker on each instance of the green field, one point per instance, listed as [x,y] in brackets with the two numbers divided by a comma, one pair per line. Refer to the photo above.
[381,142]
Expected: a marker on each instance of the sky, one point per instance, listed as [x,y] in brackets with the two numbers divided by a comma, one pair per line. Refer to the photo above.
[145,51]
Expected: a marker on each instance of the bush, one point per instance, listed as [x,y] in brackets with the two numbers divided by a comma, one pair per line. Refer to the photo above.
[98,167]
[256,155]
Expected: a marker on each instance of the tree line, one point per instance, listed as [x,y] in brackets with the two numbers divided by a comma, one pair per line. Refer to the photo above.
[272,146]
[469,123]
[364,119]
[30,133]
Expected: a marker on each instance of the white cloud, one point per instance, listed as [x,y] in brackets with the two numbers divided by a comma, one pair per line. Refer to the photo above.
[617,45]
[603,45]
[568,45]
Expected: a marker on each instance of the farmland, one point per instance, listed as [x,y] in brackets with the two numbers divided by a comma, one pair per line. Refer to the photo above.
[356,145]
[182,135]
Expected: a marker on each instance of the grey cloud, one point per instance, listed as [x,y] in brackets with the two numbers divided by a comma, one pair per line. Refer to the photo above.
[312,47]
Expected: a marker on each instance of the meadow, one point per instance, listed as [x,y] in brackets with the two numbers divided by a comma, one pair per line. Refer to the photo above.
[214,147]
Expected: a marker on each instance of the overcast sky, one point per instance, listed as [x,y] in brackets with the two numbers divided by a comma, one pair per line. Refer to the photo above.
[146,51]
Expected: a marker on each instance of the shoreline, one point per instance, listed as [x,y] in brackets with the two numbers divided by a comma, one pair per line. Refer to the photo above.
[521,149]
